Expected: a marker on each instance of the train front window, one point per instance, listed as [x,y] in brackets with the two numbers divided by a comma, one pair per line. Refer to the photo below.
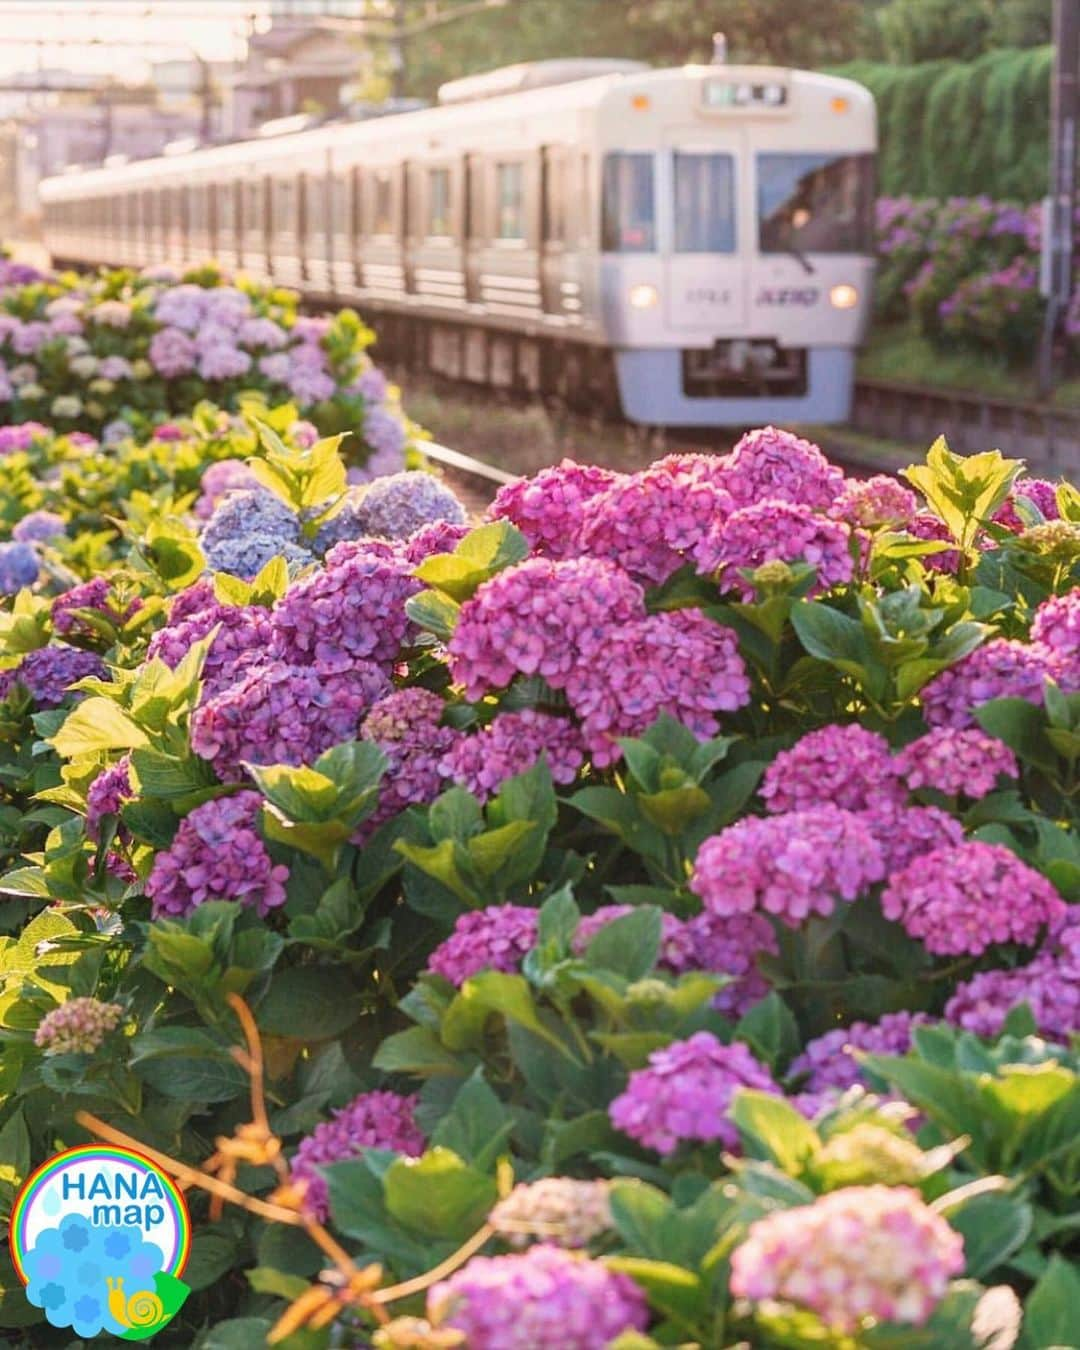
[704,203]
[629,205]
[815,203]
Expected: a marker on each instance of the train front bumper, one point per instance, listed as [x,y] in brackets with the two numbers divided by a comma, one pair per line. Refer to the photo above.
[652,388]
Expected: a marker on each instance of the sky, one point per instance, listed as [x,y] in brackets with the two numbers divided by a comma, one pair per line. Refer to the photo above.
[60,33]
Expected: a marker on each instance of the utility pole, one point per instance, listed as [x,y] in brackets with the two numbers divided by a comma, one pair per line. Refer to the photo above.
[1056,279]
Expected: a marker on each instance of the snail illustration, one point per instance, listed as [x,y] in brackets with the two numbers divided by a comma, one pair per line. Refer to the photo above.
[142,1309]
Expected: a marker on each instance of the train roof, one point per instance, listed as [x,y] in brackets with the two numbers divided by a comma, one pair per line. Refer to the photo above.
[575,95]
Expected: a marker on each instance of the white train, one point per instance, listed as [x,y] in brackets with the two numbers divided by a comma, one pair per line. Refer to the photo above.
[691,247]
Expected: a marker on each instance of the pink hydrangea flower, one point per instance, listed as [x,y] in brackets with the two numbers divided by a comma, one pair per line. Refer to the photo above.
[543,1297]
[1056,629]
[495,938]
[648,523]
[406,726]
[770,463]
[845,765]
[904,833]
[1037,490]
[217,854]
[964,899]
[776,530]
[1000,668]
[925,525]
[862,1253]
[964,763]
[1049,985]
[548,507]
[540,618]
[724,945]
[684,1094]
[876,503]
[77,1027]
[372,1120]
[510,744]
[792,866]
[107,794]
[676,662]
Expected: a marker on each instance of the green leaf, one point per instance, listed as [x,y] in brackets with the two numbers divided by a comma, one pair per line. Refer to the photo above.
[94,726]
[266,1280]
[769,1028]
[993,1226]
[14,1159]
[834,637]
[434,612]
[1052,1310]
[438,1194]
[476,559]
[311,1003]
[477,1127]
[629,945]
[675,1293]
[774,1130]
[418,1051]
[492,991]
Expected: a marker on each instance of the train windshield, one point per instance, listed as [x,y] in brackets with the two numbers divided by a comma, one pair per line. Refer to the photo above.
[815,203]
[704,203]
[629,212]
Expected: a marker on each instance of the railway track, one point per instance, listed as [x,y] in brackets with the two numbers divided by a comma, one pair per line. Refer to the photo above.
[475,482]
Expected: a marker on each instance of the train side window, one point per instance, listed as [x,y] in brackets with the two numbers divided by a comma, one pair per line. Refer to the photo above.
[704,203]
[285,199]
[510,201]
[815,203]
[439,223]
[382,206]
[553,189]
[629,204]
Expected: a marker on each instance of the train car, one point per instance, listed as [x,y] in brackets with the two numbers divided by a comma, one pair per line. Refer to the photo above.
[688,247]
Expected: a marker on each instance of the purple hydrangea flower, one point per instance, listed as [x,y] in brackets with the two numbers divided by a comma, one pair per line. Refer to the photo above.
[217,854]
[927,526]
[384,432]
[243,631]
[441,536]
[676,662]
[282,714]
[724,945]
[352,610]
[792,865]
[904,833]
[684,1094]
[495,938]
[227,475]
[107,794]
[246,530]
[543,1297]
[39,526]
[49,672]
[830,1062]
[1049,985]
[95,595]
[1035,490]
[406,726]
[172,353]
[1056,628]
[378,1119]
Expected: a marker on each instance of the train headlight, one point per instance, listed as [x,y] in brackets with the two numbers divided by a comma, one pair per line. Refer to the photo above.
[843,296]
[644,296]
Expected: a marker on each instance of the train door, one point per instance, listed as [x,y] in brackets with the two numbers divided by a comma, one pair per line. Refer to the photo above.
[706,293]
[473,231]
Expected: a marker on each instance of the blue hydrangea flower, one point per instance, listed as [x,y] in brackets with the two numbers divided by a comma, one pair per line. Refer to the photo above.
[397,506]
[246,530]
[18,567]
[39,525]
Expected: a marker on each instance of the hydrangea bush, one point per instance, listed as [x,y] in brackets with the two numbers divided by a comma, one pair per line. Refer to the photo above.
[669,878]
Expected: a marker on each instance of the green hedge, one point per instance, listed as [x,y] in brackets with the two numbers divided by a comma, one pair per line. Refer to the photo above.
[952,128]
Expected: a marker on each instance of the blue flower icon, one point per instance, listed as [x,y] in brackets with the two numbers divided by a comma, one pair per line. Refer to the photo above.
[74,1235]
[87,1309]
[117,1245]
[52,1296]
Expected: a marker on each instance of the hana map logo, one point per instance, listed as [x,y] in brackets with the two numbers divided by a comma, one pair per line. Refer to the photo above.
[100,1236]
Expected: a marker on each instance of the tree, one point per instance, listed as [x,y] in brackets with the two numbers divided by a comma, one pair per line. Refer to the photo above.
[930,30]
